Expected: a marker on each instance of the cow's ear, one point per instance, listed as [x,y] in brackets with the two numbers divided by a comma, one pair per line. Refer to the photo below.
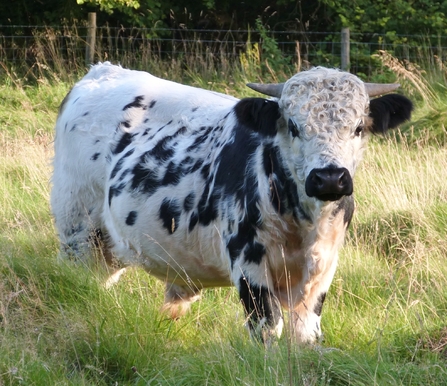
[389,111]
[258,114]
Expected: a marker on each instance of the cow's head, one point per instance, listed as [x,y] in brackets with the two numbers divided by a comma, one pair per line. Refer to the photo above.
[327,116]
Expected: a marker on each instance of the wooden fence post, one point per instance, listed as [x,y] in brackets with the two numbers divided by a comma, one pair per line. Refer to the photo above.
[345,43]
[91,38]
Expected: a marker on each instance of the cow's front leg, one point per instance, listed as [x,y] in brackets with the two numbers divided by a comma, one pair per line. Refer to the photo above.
[306,319]
[321,260]
[306,314]
[263,310]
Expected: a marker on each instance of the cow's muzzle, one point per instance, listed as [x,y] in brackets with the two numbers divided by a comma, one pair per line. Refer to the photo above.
[329,184]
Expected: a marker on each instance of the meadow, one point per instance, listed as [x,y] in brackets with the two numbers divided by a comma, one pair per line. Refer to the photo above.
[383,320]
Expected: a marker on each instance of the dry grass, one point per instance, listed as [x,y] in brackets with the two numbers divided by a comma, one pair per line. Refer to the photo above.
[408,72]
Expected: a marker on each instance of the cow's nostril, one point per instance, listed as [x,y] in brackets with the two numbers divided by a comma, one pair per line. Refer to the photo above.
[344,178]
[317,179]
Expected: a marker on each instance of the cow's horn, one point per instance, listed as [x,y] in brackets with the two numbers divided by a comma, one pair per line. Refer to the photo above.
[271,89]
[374,89]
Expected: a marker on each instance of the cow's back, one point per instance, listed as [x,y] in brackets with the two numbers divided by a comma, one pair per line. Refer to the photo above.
[108,102]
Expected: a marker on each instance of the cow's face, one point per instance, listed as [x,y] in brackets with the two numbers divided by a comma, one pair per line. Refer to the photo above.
[326,119]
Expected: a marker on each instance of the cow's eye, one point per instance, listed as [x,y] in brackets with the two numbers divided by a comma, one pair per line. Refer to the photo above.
[293,129]
[358,131]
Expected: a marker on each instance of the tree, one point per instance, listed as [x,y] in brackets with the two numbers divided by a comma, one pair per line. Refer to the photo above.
[34,12]
[150,13]
[392,18]
[202,13]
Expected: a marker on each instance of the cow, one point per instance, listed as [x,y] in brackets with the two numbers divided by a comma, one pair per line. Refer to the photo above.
[205,190]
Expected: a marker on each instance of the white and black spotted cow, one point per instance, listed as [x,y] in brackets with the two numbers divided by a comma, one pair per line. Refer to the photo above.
[205,190]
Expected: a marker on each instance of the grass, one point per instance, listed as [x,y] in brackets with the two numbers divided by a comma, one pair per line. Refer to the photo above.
[384,318]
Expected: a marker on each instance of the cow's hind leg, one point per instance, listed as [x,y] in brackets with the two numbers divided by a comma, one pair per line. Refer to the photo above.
[77,214]
[178,299]
[73,214]
[77,194]
[76,235]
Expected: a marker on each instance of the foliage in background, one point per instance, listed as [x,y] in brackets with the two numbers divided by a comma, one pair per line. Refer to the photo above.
[392,18]
[272,58]
[152,13]
[121,5]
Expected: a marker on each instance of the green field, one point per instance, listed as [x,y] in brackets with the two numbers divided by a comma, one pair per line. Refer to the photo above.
[384,320]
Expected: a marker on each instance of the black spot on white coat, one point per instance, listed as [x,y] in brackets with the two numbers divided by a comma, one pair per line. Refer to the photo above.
[145,180]
[137,102]
[120,162]
[204,134]
[169,214]
[125,140]
[95,156]
[131,218]
[188,204]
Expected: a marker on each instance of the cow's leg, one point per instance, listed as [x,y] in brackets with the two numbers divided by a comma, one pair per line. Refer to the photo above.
[81,241]
[178,299]
[76,208]
[263,310]
[306,314]
[76,233]
[77,194]
[321,263]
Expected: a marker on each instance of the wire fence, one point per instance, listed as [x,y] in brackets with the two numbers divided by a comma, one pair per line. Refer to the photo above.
[65,46]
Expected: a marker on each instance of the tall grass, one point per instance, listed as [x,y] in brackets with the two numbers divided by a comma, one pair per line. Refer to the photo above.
[58,55]
[384,319]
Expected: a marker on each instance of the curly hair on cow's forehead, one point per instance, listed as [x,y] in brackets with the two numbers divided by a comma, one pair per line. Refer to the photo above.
[321,96]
